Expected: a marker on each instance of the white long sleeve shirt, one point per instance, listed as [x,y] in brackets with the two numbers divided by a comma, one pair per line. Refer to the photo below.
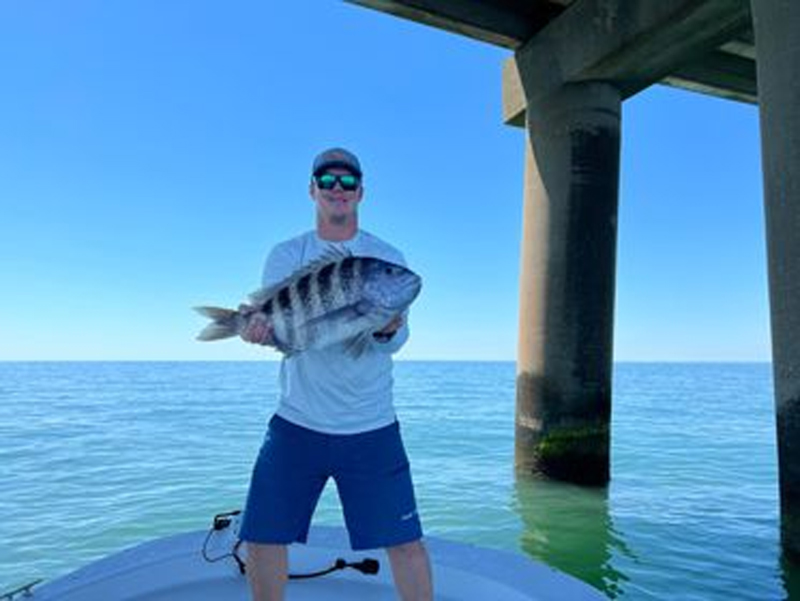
[327,390]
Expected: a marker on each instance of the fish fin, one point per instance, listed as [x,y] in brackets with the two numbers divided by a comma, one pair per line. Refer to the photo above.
[224,324]
[331,255]
[357,345]
[258,298]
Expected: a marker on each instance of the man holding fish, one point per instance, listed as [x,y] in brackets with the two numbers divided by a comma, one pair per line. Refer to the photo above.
[334,301]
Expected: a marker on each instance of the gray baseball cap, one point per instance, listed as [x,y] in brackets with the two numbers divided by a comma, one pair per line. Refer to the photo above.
[336,157]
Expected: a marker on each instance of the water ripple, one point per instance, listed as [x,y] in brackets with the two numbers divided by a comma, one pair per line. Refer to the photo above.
[95,457]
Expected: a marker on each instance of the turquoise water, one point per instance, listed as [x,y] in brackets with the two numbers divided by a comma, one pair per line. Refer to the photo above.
[95,457]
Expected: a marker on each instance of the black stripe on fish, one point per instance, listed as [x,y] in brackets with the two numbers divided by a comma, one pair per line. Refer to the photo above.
[346,271]
[285,310]
[284,300]
[298,316]
[304,290]
[325,281]
[336,286]
[279,324]
[301,299]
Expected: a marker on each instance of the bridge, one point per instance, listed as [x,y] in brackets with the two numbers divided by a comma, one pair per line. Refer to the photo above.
[572,63]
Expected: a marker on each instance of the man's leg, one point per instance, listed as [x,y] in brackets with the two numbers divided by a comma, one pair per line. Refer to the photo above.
[374,481]
[267,571]
[286,484]
[411,569]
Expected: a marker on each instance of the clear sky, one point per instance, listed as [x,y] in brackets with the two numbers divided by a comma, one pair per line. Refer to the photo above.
[152,152]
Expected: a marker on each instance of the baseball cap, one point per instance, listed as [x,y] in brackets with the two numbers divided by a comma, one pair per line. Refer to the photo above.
[336,157]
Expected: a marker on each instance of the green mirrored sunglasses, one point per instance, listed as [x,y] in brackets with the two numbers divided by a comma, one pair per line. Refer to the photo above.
[348,181]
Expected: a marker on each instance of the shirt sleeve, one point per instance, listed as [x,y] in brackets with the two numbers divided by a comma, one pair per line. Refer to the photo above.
[281,262]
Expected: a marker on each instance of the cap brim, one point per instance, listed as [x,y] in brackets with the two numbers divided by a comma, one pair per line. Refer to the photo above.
[337,165]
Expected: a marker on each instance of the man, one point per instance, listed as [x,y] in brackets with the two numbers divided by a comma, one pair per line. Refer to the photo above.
[335,417]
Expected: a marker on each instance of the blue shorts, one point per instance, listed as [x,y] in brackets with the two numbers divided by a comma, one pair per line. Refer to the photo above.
[372,476]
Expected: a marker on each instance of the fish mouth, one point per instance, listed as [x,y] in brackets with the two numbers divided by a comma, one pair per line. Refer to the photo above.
[408,292]
[411,281]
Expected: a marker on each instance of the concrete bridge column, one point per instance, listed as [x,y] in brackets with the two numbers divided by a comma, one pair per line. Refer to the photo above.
[568,267]
[777,33]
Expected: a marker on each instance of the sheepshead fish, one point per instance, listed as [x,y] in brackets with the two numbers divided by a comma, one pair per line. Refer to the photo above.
[338,299]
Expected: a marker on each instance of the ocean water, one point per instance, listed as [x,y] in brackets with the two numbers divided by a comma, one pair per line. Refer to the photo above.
[96,457]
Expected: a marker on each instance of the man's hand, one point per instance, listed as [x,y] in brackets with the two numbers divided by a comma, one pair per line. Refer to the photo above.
[257,330]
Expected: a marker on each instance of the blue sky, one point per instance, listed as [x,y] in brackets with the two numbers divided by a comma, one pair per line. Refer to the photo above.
[152,152]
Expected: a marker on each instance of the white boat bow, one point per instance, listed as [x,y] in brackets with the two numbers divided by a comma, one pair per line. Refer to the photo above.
[202,566]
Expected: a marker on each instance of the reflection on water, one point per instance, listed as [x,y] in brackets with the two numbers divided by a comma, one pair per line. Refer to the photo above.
[570,528]
[790,575]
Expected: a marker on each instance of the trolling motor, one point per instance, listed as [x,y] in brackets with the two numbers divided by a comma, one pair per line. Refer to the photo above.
[368,566]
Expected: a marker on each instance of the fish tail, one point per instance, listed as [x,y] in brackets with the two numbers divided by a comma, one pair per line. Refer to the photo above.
[224,324]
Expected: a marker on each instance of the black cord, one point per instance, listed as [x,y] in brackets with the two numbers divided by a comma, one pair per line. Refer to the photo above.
[222,521]
[367,566]
[22,591]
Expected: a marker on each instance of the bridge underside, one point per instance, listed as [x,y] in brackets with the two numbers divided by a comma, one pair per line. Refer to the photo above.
[701,45]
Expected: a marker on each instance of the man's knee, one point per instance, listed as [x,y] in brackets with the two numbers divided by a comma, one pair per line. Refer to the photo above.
[407,551]
[265,550]
[266,561]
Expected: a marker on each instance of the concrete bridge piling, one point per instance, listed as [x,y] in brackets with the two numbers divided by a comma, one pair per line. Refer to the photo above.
[777,33]
[567,283]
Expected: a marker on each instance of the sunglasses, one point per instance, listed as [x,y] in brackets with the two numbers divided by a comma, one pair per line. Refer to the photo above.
[348,182]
